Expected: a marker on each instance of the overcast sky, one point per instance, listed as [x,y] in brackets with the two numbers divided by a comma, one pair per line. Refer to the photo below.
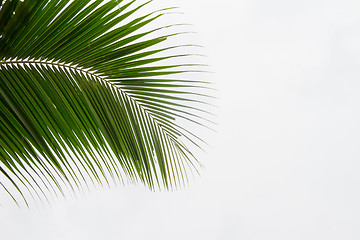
[285,161]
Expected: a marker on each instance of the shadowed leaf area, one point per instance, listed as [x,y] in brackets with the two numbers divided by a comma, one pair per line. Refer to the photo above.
[89,95]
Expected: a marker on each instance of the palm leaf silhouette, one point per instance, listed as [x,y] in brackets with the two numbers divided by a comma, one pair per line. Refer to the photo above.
[86,96]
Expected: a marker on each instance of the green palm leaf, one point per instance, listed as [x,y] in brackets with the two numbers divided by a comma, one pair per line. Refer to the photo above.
[86,96]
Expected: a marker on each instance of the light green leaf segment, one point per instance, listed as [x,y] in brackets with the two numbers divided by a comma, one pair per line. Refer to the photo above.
[85,98]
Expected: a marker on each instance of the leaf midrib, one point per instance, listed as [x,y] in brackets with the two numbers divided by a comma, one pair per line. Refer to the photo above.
[78,69]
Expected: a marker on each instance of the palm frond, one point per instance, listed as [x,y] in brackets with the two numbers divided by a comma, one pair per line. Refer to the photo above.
[85,97]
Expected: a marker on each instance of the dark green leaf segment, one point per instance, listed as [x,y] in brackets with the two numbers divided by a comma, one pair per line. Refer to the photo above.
[86,98]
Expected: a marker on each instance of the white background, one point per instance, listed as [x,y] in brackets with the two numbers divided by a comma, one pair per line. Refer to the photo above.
[285,162]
